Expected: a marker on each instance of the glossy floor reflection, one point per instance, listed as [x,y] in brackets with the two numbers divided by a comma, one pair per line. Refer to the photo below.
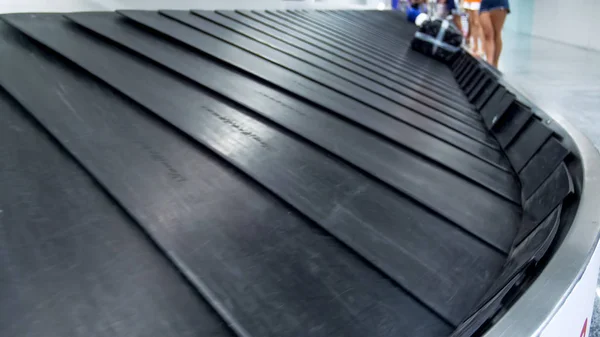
[559,78]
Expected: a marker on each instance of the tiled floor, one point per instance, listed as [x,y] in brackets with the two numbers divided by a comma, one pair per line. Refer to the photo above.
[563,79]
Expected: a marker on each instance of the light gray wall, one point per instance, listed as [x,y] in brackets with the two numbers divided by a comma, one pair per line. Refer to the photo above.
[520,19]
[574,21]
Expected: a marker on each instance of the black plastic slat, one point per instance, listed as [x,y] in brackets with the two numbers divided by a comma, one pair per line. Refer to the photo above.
[297,84]
[66,245]
[545,161]
[479,88]
[362,28]
[470,86]
[513,121]
[463,66]
[496,107]
[404,71]
[384,65]
[373,52]
[549,195]
[528,253]
[188,64]
[412,81]
[352,31]
[529,140]
[491,109]
[253,259]
[388,43]
[459,61]
[419,113]
[378,20]
[485,95]
[466,70]
[398,94]
[337,103]
[503,106]
[399,168]
[470,70]
[470,77]
[401,28]
[362,45]
[404,82]
[366,31]
[338,198]
[393,47]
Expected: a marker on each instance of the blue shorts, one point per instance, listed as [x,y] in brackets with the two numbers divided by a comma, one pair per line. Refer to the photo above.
[451,7]
[488,5]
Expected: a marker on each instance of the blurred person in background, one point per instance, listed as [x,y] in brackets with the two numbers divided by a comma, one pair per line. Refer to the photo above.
[492,15]
[453,10]
[472,8]
[418,4]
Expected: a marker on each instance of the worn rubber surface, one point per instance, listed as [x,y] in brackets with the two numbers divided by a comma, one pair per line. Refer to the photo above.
[73,262]
[262,173]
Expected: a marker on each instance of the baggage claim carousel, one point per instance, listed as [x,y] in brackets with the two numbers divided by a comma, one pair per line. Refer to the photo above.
[276,173]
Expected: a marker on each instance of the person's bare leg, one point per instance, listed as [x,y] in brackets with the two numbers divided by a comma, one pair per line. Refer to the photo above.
[457,22]
[476,32]
[497,16]
[489,39]
[469,20]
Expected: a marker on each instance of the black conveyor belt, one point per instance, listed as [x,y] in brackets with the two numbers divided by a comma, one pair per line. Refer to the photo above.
[241,174]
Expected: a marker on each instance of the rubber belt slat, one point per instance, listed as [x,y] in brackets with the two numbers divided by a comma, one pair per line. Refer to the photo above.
[405,82]
[185,62]
[355,77]
[382,66]
[369,50]
[341,200]
[370,94]
[399,168]
[338,103]
[66,244]
[348,38]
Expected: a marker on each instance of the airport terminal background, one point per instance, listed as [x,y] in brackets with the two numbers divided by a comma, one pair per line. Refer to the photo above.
[538,35]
